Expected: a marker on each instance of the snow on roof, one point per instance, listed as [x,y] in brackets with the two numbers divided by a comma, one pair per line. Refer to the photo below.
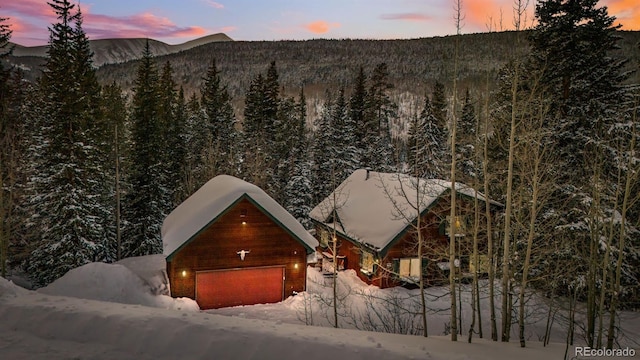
[373,208]
[211,200]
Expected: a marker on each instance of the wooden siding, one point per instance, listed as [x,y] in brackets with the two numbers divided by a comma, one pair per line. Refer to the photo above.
[216,247]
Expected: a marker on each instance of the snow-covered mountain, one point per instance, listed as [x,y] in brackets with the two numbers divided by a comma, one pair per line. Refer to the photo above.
[113,51]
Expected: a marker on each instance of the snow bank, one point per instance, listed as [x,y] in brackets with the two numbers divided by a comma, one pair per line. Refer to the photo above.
[38,325]
[62,327]
[114,283]
[152,269]
[8,288]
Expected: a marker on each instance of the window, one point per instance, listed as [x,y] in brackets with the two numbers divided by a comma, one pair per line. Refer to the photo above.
[410,267]
[324,238]
[367,262]
[460,225]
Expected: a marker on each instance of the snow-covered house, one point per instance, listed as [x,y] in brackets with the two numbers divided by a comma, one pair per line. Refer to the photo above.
[374,219]
[231,244]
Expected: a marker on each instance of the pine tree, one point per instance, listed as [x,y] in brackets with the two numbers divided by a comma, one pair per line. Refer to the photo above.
[358,108]
[98,133]
[271,100]
[178,150]
[323,160]
[439,103]
[343,149]
[572,56]
[467,137]
[172,118]
[255,134]
[115,113]
[262,116]
[298,197]
[378,149]
[67,188]
[8,142]
[218,115]
[195,140]
[283,144]
[143,208]
[571,53]
[427,143]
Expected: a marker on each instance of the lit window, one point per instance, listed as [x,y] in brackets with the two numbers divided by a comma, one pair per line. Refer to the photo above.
[459,225]
[410,267]
[367,262]
[324,238]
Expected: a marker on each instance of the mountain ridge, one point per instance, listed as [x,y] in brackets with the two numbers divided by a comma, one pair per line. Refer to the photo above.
[120,50]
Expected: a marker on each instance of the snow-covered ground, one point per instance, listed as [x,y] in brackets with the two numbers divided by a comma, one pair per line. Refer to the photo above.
[102,311]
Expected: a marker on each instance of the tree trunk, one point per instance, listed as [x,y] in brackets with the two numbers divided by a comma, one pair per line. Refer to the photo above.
[530,236]
[117,190]
[452,212]
[3,222]
[475,308]
[423,303]
[631,178]
[485,170]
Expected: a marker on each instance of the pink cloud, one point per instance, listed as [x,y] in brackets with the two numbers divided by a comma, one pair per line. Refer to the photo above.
[405,17]
[321,26]
[32,8]
[139,25]
[97,26]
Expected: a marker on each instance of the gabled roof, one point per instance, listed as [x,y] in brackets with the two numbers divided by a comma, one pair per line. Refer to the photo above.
[212,200]
[374,208]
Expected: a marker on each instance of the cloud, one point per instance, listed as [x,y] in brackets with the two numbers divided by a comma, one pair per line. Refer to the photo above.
[31,8]
[479,14]
[25,14]
[321,26]
[214,4]
[627,12]
[139,25]
[406,17]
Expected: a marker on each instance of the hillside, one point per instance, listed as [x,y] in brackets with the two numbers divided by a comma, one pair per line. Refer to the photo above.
[414,64]
[320,64]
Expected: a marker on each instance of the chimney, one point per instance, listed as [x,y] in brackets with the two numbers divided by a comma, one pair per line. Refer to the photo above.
[367,176]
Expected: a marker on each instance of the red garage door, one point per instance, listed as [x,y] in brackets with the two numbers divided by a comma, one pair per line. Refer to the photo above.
[223,288]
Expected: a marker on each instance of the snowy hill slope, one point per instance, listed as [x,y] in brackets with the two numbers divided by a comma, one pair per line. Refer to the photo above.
[107,311]
[40,326]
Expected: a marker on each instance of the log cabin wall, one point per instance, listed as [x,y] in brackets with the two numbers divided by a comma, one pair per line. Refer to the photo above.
[216,247]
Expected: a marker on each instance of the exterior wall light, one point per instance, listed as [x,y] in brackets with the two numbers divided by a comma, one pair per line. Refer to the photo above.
[184,273]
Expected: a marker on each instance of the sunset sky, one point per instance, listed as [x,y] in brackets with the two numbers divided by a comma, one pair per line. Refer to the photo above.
[175,21]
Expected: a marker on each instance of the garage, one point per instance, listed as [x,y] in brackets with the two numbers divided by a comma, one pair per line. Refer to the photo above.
[223,288]
[231,244]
